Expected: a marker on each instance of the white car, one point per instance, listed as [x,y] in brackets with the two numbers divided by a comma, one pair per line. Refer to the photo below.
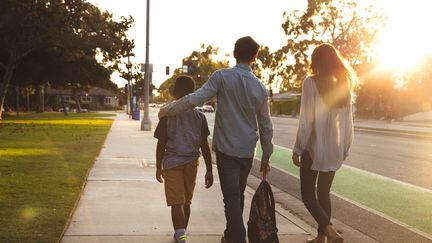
[61,109]
[205,108]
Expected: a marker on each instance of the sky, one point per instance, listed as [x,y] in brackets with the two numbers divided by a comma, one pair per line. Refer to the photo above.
[179,27]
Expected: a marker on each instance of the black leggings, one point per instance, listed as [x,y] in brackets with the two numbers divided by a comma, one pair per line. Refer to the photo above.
[320,209]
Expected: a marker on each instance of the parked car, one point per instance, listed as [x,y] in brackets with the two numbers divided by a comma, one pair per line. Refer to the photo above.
[205,108]
[82,110]
[61,109]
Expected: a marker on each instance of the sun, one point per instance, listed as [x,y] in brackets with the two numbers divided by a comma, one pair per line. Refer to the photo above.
[406,40]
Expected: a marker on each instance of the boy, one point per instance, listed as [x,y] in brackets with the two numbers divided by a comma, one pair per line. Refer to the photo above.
[179,139]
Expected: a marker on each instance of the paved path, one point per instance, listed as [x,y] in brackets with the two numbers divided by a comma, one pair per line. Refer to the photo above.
[122,202]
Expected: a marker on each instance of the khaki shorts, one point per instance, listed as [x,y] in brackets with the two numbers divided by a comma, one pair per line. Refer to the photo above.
[180,183]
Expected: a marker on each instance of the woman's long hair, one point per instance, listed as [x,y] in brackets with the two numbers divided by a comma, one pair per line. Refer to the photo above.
[333,76]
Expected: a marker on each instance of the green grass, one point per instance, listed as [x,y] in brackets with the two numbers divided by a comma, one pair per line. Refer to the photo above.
[54,115]
[405,203]
[44,159]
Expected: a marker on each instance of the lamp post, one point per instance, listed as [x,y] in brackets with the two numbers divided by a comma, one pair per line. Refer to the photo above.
[146,123]
[129,90]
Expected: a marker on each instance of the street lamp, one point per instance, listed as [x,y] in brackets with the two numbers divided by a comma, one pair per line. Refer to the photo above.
[146,123]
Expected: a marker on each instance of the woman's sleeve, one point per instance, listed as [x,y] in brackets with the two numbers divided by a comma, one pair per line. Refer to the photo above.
[306,117]
[349,130]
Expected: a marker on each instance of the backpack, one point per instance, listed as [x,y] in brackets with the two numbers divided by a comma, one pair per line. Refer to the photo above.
[262,220]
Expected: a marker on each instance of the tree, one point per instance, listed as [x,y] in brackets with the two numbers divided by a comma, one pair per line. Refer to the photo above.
[343,23]
[200,64]
[266,67]
[419,80]
[76,29]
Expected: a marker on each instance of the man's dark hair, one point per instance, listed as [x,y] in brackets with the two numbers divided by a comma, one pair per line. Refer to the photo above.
[245,49]
[183,85]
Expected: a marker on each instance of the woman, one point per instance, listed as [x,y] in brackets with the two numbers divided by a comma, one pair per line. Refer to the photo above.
[324,134]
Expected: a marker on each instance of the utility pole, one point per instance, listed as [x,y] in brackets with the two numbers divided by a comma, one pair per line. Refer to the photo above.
[146,123]
[129,90]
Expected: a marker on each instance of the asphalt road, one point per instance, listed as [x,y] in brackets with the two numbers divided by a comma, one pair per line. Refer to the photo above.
[398,157]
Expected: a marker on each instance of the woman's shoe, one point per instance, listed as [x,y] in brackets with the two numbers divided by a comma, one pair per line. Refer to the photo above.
[332,235]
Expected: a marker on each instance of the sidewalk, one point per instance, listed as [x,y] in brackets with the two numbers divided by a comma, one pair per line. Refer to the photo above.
[122,202]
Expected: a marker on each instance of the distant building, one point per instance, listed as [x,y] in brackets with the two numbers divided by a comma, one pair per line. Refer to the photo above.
[93,99]
[286,103]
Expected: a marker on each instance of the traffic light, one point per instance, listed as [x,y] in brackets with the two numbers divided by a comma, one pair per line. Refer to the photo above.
[167,71]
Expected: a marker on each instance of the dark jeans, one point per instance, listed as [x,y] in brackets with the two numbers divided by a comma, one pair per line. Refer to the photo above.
[233,173]
[320,209]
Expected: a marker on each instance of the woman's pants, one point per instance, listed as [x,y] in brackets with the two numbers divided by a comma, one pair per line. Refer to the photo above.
[319,208]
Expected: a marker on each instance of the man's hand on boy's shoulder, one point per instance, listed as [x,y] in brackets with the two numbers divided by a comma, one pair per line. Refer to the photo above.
[161,113]
[208,179]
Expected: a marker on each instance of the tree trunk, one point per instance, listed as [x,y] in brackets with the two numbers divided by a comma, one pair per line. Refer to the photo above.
[27,93]
[4,86]
[3,89]
[63,103]
[77,101]
[18,100]
[42,98]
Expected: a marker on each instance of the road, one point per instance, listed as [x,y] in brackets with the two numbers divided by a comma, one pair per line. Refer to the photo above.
[398,157]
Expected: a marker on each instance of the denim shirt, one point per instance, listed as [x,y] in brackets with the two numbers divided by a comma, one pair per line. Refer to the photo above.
[242,114]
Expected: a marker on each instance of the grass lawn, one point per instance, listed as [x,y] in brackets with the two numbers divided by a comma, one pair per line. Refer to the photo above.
[44,159]
[407,204]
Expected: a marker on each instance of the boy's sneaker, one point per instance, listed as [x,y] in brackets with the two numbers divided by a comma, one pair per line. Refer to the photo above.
[181,239]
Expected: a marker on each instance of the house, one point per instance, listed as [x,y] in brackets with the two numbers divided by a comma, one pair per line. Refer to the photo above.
[286,103]
[95,98]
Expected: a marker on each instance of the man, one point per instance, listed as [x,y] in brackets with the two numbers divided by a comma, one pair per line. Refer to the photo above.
[242,111]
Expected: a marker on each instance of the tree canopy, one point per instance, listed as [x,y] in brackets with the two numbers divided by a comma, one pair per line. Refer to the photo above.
[60,42]
[200,65]
[351,28]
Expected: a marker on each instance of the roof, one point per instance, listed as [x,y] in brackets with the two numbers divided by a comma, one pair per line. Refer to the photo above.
[286,96]
[93,91]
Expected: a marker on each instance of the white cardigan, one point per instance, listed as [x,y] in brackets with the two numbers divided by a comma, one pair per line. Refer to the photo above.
[326,133]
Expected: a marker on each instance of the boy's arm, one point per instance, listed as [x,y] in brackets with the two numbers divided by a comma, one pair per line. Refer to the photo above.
[162,136]
[160,151]
[205,149]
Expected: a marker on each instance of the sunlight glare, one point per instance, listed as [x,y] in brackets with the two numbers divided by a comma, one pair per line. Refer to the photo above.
[406,39]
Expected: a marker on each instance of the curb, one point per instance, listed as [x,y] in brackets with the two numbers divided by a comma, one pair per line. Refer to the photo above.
[395,132]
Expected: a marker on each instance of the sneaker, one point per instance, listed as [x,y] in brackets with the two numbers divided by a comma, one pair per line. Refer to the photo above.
[181,239]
